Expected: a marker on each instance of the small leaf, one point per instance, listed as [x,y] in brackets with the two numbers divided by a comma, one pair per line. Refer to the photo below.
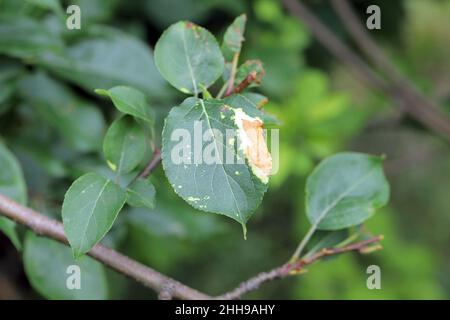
[46,265]
[90,207]
[325,239]
[129,101]
[345,190]
[253,68]
[141,194]
[12,185]
[124,145]
[233,38]
[204,175]
[8,227]
[257,99]
[188,57]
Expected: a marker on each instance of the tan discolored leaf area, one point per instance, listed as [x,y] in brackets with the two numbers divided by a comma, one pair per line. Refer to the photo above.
[253,144]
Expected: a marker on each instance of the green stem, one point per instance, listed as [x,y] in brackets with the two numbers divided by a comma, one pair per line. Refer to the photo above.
[233,74]
[222,91]
[303,243]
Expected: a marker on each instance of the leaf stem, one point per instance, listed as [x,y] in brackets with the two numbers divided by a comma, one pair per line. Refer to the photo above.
[303,243]
[233,74]
[222,91]
[153,163]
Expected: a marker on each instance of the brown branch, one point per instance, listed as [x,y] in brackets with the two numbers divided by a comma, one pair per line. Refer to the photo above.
[362,38]
[50,228]
[167,287]
[249,79]
[294,268]
[404,87]
[404,95]
[233,74]
[152,164]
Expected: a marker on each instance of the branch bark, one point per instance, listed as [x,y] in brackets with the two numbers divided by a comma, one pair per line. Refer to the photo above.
[166,287]
[50,228]
[401,91]
[294,268]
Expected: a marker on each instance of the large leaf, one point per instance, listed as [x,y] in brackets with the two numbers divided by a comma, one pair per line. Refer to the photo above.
[124,145]
[12,185]
[203,175]
[129,101]
[344,190]
[188,57]
[90,207]
[78,121]
[108,60]
[46,265]
[233,38]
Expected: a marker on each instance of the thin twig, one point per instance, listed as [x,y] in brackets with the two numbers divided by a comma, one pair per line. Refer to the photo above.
[249,79]
[409,100]
[51,228]
[294,268]
[167,287]
[152,164]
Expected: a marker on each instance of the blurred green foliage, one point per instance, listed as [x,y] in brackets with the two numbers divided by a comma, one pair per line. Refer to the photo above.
[53,122]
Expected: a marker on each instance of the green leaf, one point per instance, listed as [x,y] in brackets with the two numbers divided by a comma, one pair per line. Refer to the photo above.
[141,194]
[23,37]
[220,186]
[124,145]
[12,185]
[257,99]
[79,122]
[90,207]
[250,67]
[8,227]
[10,70]
[96,10]
[107,60]
[233,38]
[188,57]
[46,265]
[344,190]
[129,101]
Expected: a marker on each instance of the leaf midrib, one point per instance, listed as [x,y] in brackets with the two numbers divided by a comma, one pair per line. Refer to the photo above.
[223,169]
[191,71]
[92,214]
